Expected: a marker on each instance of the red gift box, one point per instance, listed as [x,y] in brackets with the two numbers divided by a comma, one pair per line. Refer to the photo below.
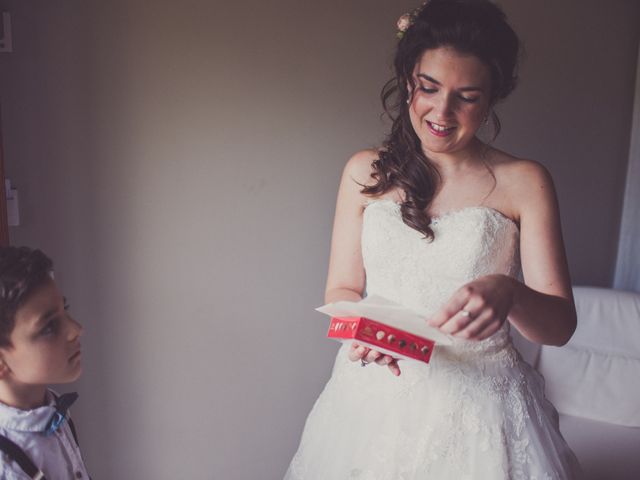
[382,337]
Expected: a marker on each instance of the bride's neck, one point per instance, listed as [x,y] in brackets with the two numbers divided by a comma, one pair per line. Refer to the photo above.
[455,162]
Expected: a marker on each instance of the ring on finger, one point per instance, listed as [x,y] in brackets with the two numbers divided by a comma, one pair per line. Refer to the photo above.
[363,362]
[466,313]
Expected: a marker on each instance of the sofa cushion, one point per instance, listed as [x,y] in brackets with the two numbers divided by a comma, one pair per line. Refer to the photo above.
[596,374]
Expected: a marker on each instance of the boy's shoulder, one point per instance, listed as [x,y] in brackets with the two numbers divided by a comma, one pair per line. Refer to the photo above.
[10,449]
[58,453]
[9,470]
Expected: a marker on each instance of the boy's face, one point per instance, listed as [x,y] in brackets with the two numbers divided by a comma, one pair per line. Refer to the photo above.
[45,341]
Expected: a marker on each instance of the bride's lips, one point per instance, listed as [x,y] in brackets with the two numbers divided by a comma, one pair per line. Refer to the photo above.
[439,130]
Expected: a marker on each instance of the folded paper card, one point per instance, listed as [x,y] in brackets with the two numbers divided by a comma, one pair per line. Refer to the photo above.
[385,326]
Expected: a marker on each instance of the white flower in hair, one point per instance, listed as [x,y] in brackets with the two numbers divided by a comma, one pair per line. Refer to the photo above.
[404,22]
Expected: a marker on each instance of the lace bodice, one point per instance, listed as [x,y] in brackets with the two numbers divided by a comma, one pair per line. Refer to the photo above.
[403,266]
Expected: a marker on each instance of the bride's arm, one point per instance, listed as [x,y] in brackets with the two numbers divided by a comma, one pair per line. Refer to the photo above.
[346,277]
[542,307]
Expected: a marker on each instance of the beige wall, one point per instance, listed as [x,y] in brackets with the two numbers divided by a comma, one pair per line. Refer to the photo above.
[573,113]
[179,160]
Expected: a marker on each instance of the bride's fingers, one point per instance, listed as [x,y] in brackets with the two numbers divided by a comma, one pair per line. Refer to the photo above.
[384,360]
[462,319]
[476,325]
[443,315]
[372,356]
[454,306]
[357,352]
[393,366]
[489,330]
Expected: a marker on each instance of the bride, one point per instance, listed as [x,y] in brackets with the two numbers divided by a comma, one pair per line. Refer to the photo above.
[440,221]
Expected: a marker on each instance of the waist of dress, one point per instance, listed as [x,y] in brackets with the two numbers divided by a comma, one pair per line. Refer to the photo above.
[498,348]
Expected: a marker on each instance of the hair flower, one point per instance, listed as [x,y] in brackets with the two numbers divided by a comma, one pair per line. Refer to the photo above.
[404,22]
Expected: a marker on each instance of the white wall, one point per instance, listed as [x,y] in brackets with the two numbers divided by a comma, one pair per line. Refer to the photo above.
[180,161]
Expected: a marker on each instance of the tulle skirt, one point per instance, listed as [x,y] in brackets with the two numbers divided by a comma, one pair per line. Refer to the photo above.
[463,416]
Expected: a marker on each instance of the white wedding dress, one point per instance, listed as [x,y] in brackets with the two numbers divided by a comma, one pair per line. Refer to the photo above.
[476,411]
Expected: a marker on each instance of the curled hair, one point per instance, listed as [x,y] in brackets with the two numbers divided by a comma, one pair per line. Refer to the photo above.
[22,271]
[474,27]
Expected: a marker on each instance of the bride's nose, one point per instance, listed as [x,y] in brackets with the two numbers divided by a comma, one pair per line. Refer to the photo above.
[444,107]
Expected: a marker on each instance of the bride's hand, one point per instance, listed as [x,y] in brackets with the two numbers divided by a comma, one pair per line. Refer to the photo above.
[360,353]
[478,309]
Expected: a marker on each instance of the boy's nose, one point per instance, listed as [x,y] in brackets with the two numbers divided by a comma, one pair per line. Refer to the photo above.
[75,329]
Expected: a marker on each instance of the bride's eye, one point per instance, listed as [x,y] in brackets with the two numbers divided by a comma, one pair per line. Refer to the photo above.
[427,89]
[469,99]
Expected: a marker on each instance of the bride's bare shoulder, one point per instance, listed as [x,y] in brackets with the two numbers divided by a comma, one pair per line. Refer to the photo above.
[525,183]
[518,172]
[360,166]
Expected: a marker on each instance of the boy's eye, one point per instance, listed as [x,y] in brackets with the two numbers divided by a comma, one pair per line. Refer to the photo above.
[51,327]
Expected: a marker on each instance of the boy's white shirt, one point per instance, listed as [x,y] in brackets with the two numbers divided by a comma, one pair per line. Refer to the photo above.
[57,455]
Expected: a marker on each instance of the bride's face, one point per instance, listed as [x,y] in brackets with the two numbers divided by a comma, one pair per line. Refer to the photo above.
[450,101]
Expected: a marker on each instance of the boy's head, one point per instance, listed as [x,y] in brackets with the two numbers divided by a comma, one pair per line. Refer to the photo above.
[39,341]
[22,271]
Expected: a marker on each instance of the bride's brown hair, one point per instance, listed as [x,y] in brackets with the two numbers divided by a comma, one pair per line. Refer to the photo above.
[476,27]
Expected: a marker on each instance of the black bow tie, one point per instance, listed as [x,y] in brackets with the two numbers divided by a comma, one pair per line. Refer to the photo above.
[63,402]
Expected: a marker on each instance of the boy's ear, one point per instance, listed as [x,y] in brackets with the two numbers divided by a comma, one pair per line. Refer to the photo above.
[4,368]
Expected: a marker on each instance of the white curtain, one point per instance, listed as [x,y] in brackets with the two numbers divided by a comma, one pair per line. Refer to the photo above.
[627,276]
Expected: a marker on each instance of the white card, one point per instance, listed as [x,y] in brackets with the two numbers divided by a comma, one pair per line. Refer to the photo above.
[393,314]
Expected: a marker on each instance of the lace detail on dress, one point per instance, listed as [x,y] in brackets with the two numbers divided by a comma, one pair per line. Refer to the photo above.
[477,411]
[405,267]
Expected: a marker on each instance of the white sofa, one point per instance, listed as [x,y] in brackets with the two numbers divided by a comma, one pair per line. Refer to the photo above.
[594,382]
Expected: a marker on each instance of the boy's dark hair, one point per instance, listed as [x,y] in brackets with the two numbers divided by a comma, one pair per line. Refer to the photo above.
[22,271]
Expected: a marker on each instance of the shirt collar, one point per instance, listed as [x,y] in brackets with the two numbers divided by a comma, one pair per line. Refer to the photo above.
[34,420]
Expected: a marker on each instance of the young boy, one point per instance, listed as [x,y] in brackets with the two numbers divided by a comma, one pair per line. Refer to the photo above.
[39,345]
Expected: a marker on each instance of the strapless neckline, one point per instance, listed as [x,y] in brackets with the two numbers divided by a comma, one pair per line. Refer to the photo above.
[436,219]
